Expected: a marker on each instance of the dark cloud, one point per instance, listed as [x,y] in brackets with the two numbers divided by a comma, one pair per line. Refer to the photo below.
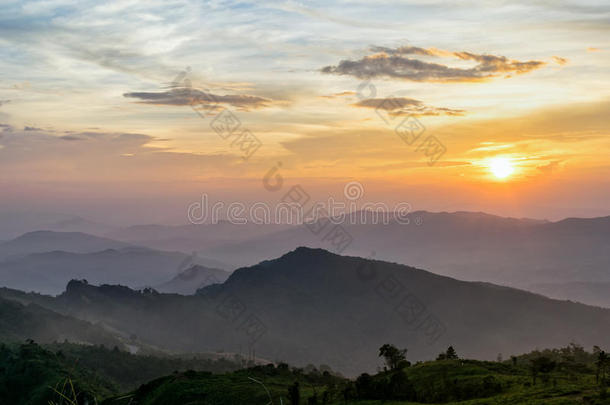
[397,106]
[388,104]
[2,102]
[392,63]
[188,96]
[26,128]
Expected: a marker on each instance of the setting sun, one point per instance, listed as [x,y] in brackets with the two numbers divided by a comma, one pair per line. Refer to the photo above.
[501,167]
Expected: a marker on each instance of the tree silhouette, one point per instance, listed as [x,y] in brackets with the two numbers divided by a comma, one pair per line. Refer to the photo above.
[602,363]
[294,393]
[451,353]
[542,365]
[394,357]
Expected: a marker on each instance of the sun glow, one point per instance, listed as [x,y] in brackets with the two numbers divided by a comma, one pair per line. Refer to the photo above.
[501,167]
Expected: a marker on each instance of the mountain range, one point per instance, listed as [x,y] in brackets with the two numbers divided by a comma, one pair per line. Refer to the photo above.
[313,306]
[44,262]
[48,241]
[522,253]
[192,279]
[468,246]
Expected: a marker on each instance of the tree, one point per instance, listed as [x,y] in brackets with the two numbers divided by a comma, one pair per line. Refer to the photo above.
[394,357]
[365,387]
[450,354]
[602,363]
[349,392]
[325,397]
[400,387]
[542,365]
[294,393]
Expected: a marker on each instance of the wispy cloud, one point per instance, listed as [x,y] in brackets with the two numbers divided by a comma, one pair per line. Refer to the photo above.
[341,94]
[185,96]
[393,63]
[549,167]
[398,106]
[78,156]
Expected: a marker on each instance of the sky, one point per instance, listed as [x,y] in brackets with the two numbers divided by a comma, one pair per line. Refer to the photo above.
[128,111]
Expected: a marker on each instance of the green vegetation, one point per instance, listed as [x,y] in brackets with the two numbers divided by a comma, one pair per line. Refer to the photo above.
[71,374]
[31,375]
[34,374]
[256,385]
[561,376]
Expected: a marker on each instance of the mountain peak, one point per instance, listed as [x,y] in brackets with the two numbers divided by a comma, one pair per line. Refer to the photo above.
[302,254]
[309,251]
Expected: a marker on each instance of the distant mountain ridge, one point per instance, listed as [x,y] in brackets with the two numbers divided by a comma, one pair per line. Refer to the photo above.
[191,237]
[468,246]
[44,261]
[192,279]
[587,293]
[47,241]
[313,306]
[50,271]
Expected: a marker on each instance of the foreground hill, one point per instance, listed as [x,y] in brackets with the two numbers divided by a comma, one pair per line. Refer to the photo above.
[564,376]
[67,373]
[312,306]
[36,374]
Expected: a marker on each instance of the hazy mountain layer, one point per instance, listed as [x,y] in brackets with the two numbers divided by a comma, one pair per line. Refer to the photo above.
[468,246]
[587,293]
[48,241]
[48,273]
[312,306]
[19,322]
[192,279]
